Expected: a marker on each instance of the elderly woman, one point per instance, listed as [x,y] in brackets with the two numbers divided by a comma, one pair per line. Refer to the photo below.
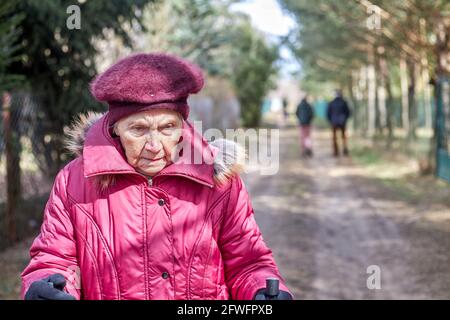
[136,216]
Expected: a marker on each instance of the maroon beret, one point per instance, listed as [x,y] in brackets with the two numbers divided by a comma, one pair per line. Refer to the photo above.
[147,81]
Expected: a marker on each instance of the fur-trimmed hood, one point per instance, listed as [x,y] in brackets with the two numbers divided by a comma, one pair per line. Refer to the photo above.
[229,156]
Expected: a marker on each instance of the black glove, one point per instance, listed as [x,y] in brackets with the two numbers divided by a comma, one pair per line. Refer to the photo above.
[282,295]
[50,288]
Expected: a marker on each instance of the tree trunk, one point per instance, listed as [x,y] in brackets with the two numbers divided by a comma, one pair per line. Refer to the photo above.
[384,71]
[362,113]
[355,110]
[427,96]
[412,70]
[12,152]
[371,95]
[404,89]
[381,97]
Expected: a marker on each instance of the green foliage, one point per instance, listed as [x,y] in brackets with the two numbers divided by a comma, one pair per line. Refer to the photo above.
[58,62]
[327,39]
[222,42]
[9,33]
[195,29]
[333,37]
[253,68]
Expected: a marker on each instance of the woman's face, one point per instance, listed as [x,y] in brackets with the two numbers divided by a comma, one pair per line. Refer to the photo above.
[149,138]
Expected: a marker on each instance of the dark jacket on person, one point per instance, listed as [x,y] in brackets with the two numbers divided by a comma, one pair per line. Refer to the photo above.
[338,112]
[304,113]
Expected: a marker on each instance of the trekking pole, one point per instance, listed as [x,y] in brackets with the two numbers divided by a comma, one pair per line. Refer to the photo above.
[272,288]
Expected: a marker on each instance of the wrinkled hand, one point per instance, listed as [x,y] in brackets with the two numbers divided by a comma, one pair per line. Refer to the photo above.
[282,295]
[50,288]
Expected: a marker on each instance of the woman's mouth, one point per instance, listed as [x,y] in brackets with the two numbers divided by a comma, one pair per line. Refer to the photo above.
[153,160]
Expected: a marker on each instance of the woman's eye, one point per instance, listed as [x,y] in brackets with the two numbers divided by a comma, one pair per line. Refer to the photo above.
[167,127]
[138,130]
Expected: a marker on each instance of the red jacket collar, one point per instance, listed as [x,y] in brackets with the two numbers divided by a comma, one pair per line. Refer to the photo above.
[103,154]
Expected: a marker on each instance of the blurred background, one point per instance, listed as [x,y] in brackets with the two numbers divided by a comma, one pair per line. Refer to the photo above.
[327,218]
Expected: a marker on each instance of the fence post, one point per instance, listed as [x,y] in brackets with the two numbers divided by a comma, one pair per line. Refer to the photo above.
[442,148]
[436,122]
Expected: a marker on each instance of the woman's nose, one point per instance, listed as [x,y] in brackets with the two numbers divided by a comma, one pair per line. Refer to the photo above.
[153,146]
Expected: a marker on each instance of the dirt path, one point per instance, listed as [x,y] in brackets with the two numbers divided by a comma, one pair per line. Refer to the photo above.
[327,223]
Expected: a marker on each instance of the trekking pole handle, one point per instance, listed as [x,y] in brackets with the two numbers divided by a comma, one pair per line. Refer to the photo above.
[272,287]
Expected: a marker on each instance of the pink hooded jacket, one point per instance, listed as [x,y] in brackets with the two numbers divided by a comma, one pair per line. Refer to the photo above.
[187,233]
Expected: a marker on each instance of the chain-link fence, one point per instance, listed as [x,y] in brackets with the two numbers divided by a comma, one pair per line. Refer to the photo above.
[443,129]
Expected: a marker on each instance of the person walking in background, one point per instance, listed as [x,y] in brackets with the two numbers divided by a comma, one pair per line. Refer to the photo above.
[338,113]
[285,103]
[305,115]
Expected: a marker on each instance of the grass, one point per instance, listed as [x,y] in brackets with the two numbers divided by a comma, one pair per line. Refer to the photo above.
[366,155]
[397,170]
[12,262]
[28,218]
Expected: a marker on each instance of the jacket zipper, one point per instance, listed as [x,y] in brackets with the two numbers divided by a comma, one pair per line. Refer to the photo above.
[150,184]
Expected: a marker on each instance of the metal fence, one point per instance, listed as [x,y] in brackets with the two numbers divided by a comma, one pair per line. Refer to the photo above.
[443,129]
